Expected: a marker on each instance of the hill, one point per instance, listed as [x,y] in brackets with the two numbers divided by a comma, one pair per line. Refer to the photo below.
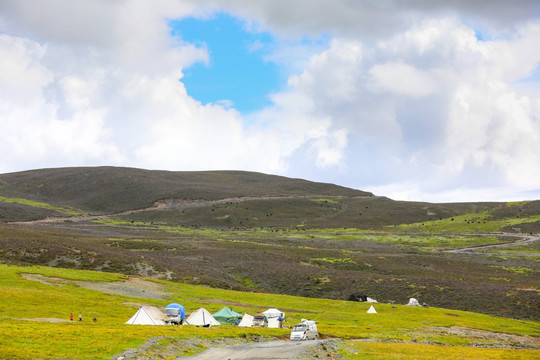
[108,189]
[220,199]
[265,233]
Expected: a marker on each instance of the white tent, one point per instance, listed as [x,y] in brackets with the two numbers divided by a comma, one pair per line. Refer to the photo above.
[247,321]
[147,315]
[370,300]
[274,313]
[273,323]
[413,302]
[372,310]
[201,317]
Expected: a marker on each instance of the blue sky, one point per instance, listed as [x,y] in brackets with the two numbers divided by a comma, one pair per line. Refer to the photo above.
[410,99]
[237,70]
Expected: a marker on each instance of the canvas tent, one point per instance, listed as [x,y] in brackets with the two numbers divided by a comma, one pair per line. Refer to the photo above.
[273,323]
[274,313]
[227,316]
[372,310]
[147,315]
[201,317]
[247,321]
[413,302]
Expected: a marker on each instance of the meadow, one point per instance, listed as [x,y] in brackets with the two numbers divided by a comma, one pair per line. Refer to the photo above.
[29,306]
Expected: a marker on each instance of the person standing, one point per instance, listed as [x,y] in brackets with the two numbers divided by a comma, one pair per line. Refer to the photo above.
[80,317]
[71,316]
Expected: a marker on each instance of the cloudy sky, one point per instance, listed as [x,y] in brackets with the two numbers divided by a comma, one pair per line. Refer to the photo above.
[412,99]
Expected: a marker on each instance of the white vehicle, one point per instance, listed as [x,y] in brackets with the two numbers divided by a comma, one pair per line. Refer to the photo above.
[306,330]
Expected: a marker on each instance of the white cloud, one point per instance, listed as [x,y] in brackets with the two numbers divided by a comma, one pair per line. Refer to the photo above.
[401,79]
[441,103]
[374,19]
[403,98]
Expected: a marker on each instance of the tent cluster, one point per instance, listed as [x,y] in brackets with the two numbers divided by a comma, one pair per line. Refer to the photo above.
[176,313]
[271,318]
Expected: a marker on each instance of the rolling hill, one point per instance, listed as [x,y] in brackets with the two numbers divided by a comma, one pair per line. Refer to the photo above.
[256,232]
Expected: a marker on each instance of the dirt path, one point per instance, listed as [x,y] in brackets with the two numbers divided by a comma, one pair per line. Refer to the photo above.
[521,240]
[263,350]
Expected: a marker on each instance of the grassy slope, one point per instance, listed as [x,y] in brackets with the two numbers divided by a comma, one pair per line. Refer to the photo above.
[27,299]
[106,190]
[110,189]
[326,263]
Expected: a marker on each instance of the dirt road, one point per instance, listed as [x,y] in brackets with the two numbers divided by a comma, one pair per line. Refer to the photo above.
[263,350]
[521,240]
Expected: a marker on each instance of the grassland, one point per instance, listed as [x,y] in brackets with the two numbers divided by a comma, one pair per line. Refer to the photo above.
[29,306]
[324,263]
[313,243]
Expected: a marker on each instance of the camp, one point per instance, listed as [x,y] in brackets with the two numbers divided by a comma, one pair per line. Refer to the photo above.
[247,321]
[147,315]
[274,313]
[227,316]
[275,318]
[201,317]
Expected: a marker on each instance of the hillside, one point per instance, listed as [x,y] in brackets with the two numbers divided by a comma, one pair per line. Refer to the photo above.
[257,232]
[110,189]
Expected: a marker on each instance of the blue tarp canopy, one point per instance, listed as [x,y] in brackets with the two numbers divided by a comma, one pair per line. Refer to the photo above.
[176,307]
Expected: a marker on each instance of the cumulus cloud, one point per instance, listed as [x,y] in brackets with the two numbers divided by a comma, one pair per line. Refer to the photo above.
[91,83]
[439,101]
[373,19]
[403,99]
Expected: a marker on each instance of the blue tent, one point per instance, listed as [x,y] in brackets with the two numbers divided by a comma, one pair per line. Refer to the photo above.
[175,309]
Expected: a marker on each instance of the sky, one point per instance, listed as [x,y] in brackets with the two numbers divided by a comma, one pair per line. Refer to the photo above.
[420,100]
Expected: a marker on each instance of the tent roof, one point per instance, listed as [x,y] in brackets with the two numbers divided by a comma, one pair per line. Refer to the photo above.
[227,316]
[247,321]
[228,313]
[174,306]
[201,317]
[147,315]
[270,313]
[372,310]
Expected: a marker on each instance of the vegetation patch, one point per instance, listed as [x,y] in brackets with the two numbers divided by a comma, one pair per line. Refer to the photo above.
[41,205]
[326,201]
[355,349]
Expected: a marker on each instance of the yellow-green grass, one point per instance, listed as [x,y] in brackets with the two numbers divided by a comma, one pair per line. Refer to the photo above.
[365,350]
[60,295]
[469,223]
[427,243]
[41,205]
[329,201]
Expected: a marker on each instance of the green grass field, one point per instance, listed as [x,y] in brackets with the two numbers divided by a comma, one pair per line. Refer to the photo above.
[25,300]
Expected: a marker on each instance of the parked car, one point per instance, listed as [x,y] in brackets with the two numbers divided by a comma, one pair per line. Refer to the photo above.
[306,330]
